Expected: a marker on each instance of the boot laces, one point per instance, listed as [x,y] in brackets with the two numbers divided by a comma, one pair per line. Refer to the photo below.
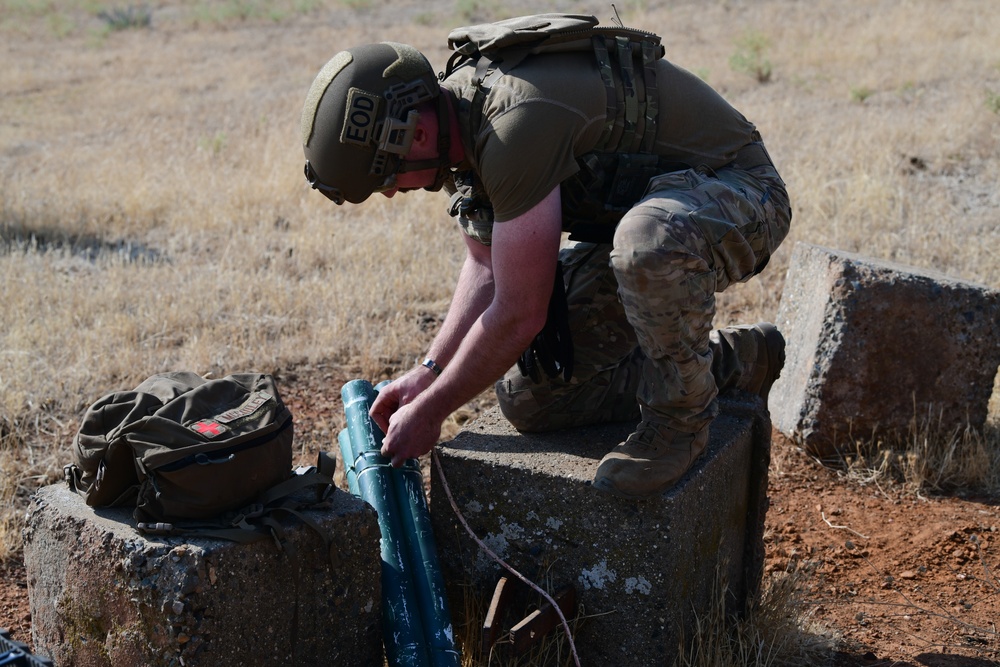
[650,437]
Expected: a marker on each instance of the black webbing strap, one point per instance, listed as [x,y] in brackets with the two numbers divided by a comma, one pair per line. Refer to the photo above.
[631,97]
[604,65]
[294,484]
[649,58]
[258,521]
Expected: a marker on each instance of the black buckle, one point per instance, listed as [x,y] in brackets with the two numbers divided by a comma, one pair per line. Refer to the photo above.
[333,194]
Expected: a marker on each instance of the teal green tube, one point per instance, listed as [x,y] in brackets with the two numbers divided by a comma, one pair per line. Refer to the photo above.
[422,549]
[422,552]
[347,453]
[402,627]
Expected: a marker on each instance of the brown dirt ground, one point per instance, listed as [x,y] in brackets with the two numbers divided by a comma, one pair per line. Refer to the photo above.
[900,580]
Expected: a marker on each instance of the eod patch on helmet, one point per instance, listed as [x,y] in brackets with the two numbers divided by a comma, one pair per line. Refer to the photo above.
[362,109]
[360,116]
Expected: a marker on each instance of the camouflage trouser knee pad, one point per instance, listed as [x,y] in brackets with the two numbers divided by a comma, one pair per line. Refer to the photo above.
[667,286]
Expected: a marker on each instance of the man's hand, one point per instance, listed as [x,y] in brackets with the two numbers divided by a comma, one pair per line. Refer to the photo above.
[411,433]
[393,413]
[398,393]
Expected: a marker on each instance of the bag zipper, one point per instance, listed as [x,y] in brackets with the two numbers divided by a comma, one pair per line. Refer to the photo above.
[225,453]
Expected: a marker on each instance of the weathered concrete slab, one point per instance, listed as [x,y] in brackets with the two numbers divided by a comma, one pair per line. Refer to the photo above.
[101,594]
[640,566]
[871,345]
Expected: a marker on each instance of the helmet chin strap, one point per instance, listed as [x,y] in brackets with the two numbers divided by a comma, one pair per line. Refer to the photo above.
[443,160]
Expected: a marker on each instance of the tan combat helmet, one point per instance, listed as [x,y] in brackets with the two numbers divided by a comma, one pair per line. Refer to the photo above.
[360,116]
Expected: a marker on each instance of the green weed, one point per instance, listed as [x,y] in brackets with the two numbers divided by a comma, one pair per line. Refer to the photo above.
[751,56]
[993,101]
[861,93]
[124,18]
[214,144]
[61,25]
[470,11]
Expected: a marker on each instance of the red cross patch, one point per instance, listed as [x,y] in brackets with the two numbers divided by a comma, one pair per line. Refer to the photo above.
[208,428]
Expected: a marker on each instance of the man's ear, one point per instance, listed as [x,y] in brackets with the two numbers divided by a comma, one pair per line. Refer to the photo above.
[419,135]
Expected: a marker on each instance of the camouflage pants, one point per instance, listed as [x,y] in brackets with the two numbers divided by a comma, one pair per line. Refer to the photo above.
[641,309]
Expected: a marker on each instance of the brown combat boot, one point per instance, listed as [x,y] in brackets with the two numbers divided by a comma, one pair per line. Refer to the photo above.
[650,461]
[749,357]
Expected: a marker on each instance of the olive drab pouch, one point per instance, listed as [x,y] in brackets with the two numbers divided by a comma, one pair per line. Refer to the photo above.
[520,34]
[505,43]
[179,446]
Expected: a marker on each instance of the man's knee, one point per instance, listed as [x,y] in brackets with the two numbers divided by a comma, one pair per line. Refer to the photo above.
[659,258]
[639,233]
[519,406]
[651,236]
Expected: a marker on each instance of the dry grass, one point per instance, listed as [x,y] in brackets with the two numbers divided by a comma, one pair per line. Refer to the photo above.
[929,459]
[551,649]
[153,215]
[774,632]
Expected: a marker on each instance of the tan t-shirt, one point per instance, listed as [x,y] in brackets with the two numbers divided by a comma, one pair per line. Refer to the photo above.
[550,110]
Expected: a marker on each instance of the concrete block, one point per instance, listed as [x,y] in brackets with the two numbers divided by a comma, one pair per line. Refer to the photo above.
[102,594]
[640,567]
[872,345]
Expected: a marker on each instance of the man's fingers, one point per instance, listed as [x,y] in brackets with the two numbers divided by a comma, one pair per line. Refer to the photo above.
[385,401]
[395,460]
[380,420]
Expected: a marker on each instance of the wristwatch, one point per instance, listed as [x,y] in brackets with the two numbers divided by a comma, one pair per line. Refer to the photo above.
[431,364]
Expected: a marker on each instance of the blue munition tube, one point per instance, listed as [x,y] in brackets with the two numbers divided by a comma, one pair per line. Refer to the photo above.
[422,553]
[347,453]
[419,534]
[402,629]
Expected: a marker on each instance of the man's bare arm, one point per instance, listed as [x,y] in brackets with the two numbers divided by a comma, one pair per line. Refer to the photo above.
[473,293]
[523,258]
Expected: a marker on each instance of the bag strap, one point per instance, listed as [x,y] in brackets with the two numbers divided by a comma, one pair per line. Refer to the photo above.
[259,521]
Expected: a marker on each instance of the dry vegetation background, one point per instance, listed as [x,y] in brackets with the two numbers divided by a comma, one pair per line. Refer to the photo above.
[154,217]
